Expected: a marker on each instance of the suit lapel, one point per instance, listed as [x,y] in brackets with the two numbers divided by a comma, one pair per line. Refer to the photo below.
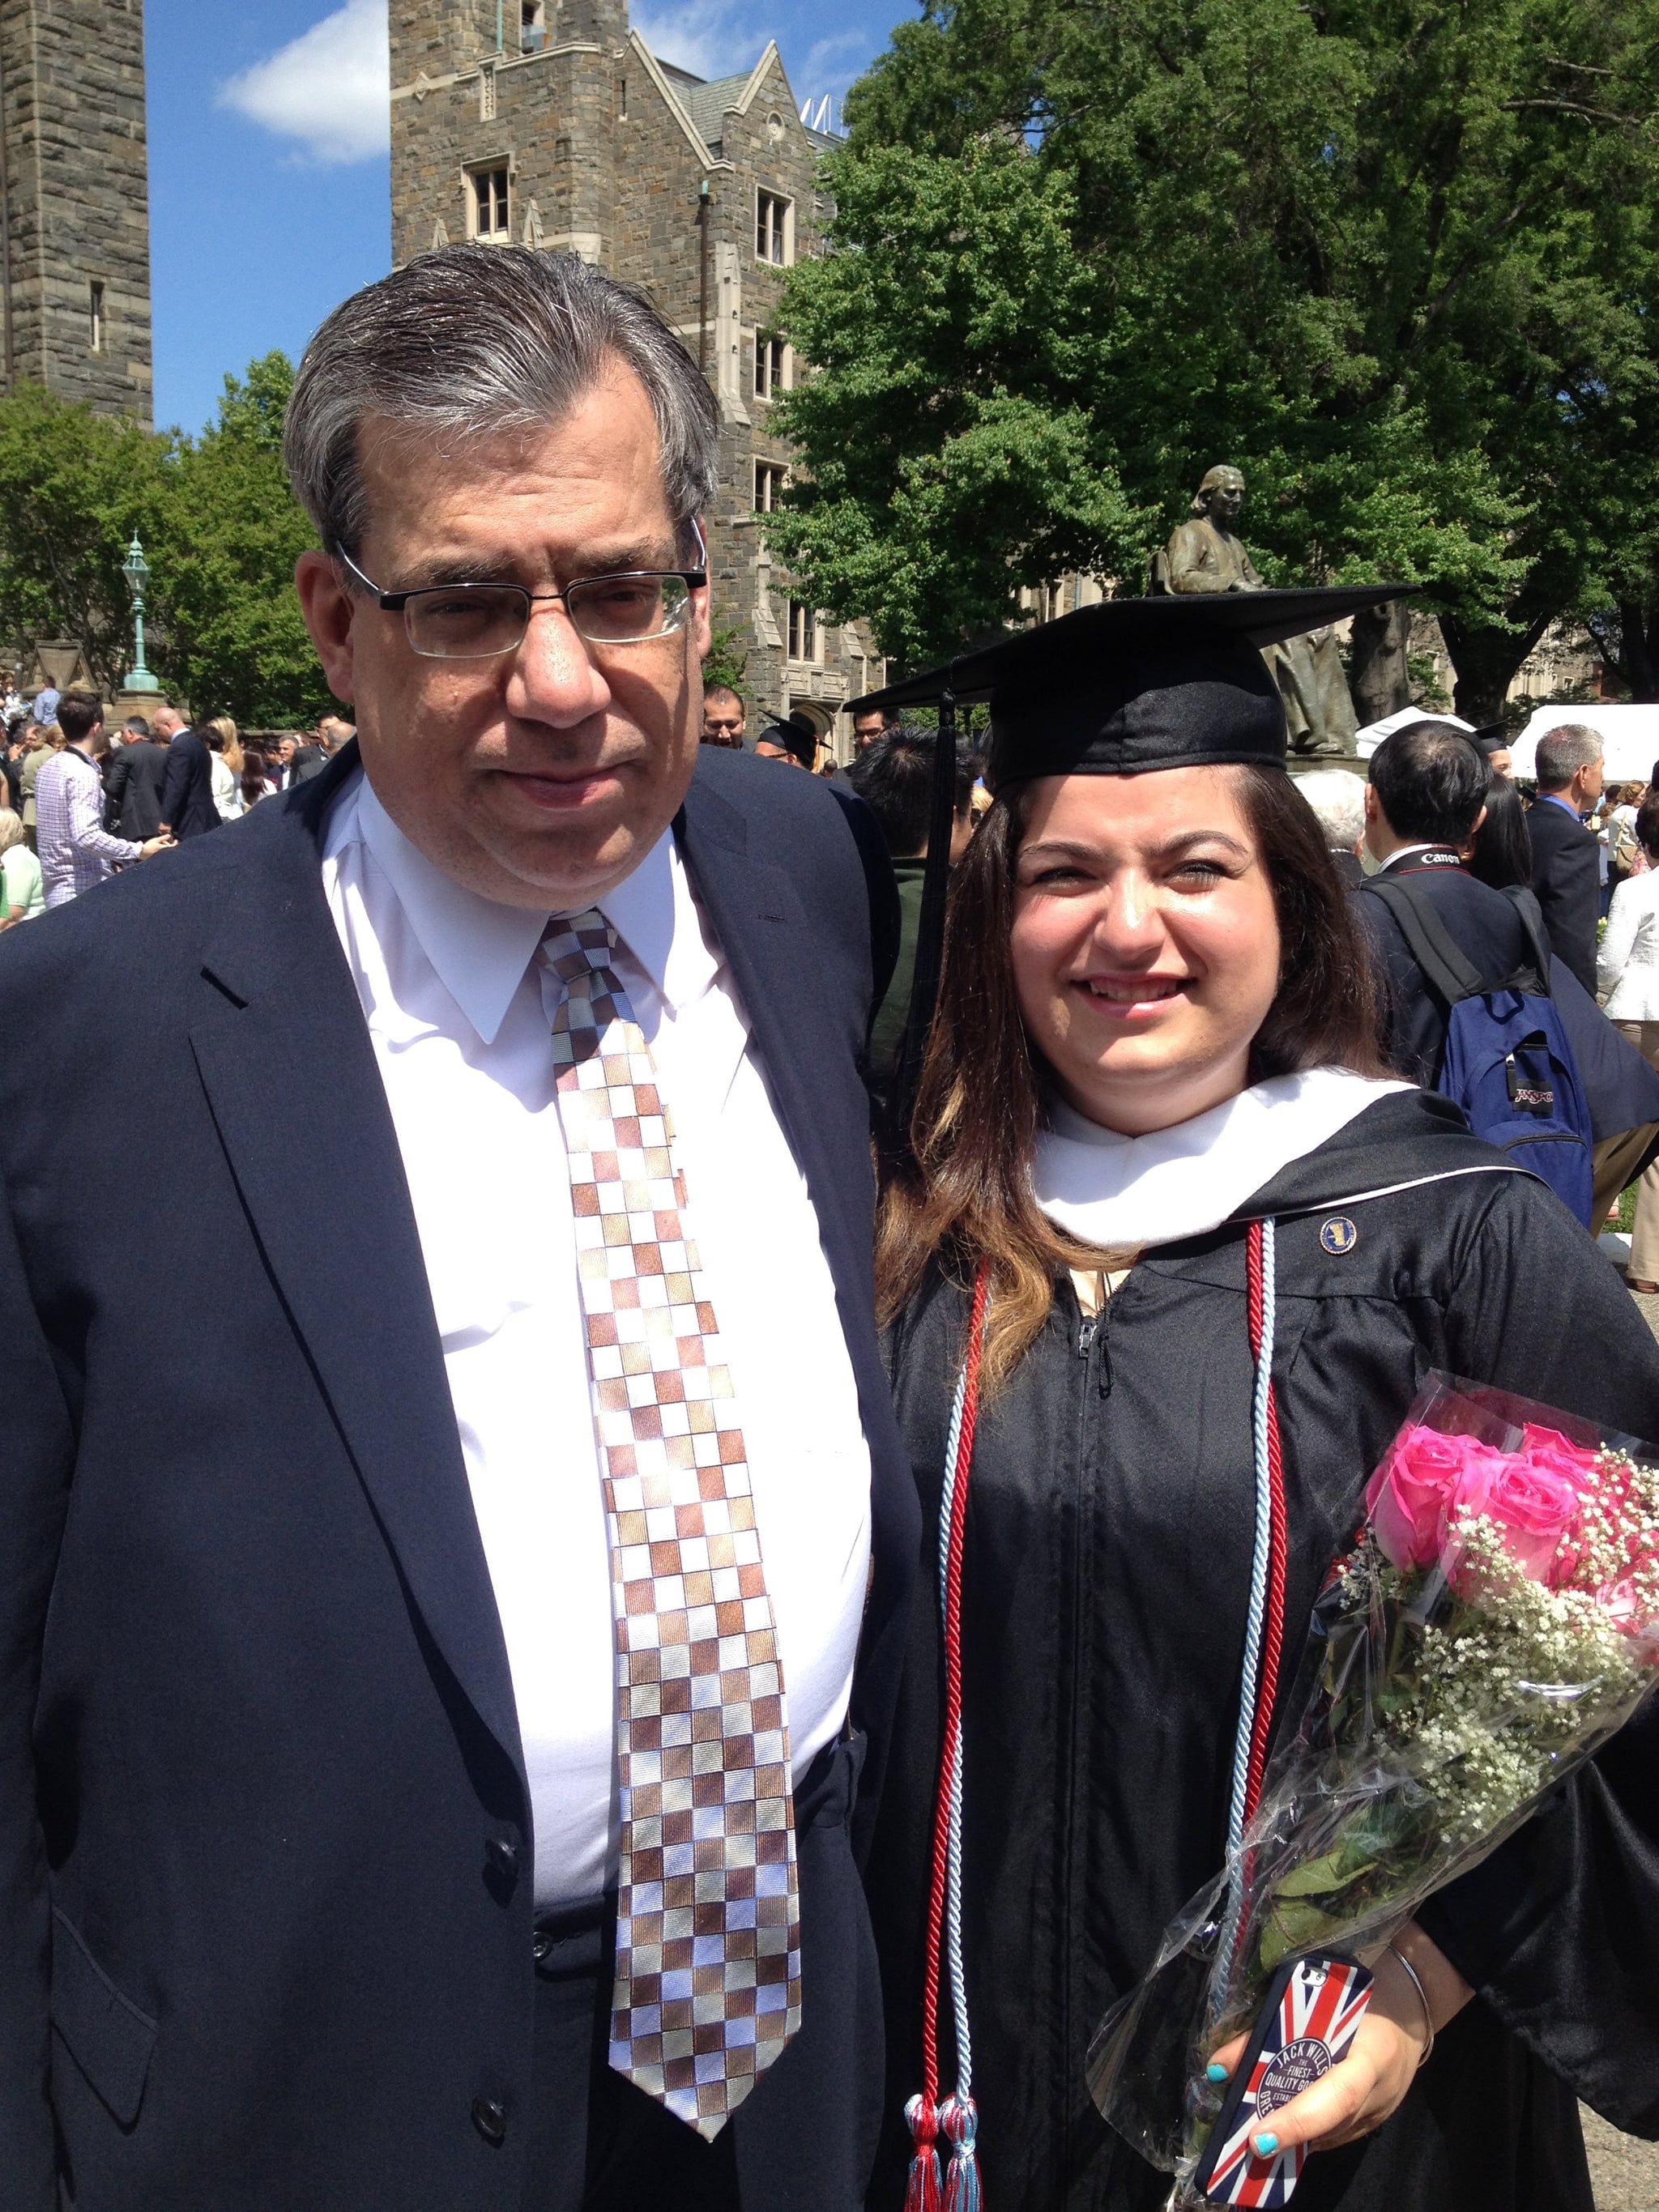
[762,931]
[278,1020]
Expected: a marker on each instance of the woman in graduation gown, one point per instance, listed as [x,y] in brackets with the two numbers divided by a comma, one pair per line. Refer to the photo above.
[1156,1030]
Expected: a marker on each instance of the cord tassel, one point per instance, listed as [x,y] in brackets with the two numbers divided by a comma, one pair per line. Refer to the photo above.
[959,2119]
[923,2192]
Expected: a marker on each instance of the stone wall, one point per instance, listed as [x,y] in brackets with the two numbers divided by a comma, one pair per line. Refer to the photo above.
[608,153]
[77,196]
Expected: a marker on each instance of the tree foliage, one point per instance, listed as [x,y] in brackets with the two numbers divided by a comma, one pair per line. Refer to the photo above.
[1395,261]
[221,530]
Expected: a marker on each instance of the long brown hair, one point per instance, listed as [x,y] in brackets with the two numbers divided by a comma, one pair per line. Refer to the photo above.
[963,1194]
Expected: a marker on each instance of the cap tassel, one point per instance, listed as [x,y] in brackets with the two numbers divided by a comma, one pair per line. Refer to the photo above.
[923,2192]
[959,2120]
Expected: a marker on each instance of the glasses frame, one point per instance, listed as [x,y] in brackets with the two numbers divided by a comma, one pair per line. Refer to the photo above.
[397,603]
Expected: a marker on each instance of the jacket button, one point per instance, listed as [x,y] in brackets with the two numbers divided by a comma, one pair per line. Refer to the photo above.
[503,1856]
[489,2117]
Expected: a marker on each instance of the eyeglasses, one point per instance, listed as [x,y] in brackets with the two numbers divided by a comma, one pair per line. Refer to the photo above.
[476,621]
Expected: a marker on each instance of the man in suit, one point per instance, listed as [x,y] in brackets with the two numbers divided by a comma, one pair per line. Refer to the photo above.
[1566,877]
[308,760]
[132,787]
[1424,801]
[336,1868]
[187,807]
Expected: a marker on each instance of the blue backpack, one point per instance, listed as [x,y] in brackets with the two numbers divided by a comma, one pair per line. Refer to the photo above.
[1507,1061]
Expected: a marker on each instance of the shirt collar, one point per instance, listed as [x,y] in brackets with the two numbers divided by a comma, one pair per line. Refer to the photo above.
[480,950]
[1554,799]
[1404,853]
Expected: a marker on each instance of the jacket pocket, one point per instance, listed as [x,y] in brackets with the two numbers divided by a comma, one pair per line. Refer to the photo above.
[105,2034]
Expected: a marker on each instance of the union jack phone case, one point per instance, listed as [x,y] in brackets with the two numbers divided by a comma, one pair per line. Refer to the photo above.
[1312,2013]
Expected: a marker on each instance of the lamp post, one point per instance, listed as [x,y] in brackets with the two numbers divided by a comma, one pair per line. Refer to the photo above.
[136,570]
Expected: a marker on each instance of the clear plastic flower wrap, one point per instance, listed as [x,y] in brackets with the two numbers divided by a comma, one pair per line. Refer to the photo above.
[1496,1622]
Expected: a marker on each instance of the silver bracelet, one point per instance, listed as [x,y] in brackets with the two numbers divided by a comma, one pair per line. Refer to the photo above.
[1422,1998]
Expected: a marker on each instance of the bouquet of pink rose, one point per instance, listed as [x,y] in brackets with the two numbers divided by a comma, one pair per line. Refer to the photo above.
[1496,1620]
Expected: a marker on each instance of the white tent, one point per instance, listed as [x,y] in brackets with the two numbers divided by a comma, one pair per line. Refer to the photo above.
[1367,740]
[1631,734]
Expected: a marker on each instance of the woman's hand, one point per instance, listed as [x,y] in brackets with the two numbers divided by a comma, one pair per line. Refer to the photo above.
[1372,2081]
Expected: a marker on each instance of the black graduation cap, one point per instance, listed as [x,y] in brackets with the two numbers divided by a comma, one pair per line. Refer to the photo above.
[795,732]
[1131,685]
[1124,687]
[1492,738]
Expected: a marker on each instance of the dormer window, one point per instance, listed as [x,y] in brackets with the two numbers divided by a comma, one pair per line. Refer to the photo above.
[533,26]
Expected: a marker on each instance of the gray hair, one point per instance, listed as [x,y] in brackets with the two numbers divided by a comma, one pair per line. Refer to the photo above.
[475,339]
[1337,796]
[1564,751]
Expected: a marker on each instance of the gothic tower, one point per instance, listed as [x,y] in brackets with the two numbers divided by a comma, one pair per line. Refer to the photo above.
[548,124]
[75,310]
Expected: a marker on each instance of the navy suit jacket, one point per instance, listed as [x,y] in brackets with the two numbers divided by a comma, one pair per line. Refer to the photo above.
[187,806]
[1566,881]
[265,1935]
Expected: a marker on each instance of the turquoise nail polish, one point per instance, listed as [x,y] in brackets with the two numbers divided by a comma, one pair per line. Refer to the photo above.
[1265,2146]
[1215,2071]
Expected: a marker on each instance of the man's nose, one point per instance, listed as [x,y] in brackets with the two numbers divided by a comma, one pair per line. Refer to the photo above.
[553,678]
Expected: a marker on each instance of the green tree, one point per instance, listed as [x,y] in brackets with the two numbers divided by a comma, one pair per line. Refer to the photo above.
[1395,261]
[224,566]
[74,487]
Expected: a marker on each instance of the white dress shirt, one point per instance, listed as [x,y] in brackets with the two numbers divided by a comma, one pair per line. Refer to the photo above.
[459,1004]
[1627,964]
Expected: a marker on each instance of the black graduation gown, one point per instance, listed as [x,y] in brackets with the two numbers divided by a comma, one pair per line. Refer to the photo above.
[1106,1574]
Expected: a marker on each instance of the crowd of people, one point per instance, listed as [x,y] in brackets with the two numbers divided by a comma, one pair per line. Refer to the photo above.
[508,1622]
[85,800]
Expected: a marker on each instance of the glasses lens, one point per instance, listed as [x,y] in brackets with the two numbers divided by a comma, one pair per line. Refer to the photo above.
[624,609]
[468,623]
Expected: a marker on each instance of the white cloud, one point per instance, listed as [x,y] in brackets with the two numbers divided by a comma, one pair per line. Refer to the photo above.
[329,88]
[828,49]
[710,38]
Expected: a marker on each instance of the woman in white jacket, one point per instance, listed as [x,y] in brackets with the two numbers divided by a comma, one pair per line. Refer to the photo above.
[1627,973]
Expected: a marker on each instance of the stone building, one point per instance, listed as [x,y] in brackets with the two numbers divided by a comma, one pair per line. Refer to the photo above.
[74,308]
[548,124]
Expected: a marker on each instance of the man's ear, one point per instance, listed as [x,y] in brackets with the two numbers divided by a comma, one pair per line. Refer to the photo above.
[329,610]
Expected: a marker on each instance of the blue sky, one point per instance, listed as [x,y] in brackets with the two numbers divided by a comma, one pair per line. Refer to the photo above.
[267,155]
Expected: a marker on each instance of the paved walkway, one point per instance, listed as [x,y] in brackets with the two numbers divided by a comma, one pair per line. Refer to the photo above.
[1626,2172]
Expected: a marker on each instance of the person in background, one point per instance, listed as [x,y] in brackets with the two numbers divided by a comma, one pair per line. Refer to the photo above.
[187,807]
[309,759]
[1627,971]
[894,777]
[45,709]
[336,733]
[279,761]
[1626,857]
[871,723]
[256,781]
[76,852]
[22,892]
[225,746]
[724,718]
[132,785]
[1337,796]
[1565,873]
[1499,854]
[1493,744]
[792,739]
[45,739]
[11,763]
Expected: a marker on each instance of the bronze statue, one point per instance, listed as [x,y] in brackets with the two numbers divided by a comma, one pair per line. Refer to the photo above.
[1204,555]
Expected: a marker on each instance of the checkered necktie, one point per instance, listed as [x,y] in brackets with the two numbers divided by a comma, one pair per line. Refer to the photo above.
[707,1989]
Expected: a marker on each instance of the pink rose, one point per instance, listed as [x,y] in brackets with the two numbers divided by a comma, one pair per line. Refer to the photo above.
[1532,1505]
[1620,1605]
[1407,1496]
[1549,1449]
